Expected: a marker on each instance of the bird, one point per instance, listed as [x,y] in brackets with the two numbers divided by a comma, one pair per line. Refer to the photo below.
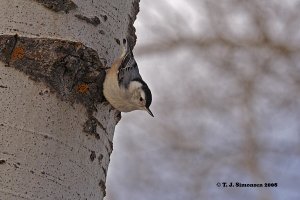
[123,85]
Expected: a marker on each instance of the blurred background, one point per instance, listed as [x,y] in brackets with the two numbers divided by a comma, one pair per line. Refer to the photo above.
[225,78]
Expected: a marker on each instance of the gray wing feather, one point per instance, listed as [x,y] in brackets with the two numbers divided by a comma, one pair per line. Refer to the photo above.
[128,71]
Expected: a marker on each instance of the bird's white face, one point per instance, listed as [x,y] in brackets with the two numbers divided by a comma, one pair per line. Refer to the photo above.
[138,98]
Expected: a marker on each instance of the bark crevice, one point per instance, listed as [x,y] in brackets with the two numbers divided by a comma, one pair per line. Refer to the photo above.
[58,5]
[71,70]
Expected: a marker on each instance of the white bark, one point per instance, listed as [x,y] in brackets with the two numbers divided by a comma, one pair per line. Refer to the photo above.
[44,153]
[29,18]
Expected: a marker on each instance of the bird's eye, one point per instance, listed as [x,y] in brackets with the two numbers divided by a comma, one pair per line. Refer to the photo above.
[141,99]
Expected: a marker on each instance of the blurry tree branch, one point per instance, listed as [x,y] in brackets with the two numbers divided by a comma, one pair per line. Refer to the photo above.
[228,91]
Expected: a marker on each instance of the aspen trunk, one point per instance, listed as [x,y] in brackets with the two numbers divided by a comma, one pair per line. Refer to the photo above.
[56,129]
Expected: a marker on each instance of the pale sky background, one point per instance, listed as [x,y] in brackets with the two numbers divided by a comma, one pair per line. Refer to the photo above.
[226,103]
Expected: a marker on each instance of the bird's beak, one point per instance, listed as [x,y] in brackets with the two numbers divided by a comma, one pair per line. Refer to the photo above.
[149,111]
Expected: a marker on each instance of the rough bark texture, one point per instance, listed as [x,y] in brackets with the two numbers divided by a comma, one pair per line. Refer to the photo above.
[56,128]
[62,5]
[71,70]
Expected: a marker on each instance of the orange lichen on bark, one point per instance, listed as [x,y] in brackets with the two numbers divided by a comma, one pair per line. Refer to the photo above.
[83,88]
[17,53]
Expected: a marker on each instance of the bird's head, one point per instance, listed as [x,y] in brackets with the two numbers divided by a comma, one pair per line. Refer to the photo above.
[141,95]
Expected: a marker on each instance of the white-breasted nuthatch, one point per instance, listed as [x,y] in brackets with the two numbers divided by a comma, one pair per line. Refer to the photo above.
[124,87]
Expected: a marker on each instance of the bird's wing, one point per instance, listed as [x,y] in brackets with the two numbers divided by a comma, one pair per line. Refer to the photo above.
[128,70]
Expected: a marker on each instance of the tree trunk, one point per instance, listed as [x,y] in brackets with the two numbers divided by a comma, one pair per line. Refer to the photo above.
[56,128]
